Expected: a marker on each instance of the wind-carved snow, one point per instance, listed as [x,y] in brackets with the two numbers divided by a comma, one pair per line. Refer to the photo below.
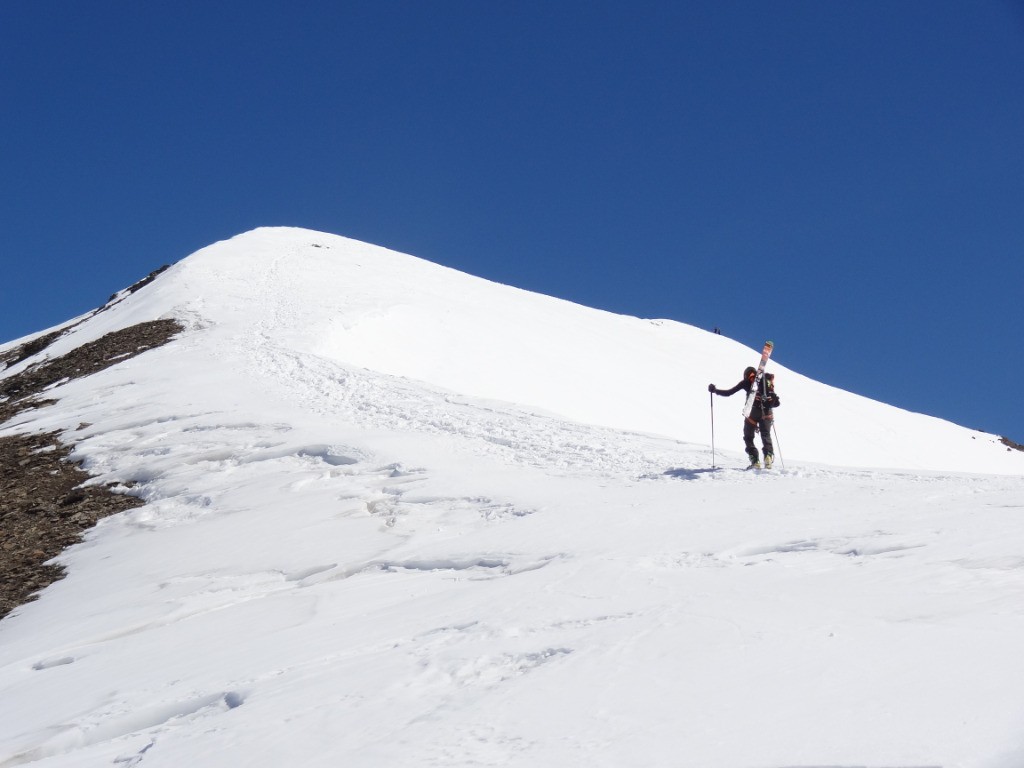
[340,562]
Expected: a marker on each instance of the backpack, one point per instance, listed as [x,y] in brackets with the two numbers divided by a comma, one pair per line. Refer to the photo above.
[771,399]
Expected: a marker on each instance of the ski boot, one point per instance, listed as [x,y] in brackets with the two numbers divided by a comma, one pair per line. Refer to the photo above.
[754,463]
[768,460]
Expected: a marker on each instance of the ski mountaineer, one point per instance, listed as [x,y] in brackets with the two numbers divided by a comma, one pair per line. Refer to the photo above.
[760,418]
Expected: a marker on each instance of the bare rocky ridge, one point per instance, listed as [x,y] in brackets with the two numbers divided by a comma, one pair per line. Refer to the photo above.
[106,351]
[42,511]
[1010,445]
[43,507]
[31,348]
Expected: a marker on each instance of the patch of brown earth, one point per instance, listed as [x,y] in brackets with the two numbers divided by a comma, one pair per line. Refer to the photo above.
[43,506]
[43,509]
[1010,445]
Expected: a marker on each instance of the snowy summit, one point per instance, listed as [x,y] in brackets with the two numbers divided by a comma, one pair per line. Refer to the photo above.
[396,515]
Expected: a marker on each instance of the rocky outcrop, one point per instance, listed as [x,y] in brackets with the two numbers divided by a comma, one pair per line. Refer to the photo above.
[43,509]
[43,504]
[16,391]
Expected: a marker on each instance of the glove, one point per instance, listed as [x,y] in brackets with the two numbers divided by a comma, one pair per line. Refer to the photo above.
[712,388]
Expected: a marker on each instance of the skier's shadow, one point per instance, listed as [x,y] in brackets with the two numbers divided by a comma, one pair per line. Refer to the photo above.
[691,474]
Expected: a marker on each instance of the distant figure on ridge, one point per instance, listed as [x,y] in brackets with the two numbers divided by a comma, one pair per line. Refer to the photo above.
[760,416]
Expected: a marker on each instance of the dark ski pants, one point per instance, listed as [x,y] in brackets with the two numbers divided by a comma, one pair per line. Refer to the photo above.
[765,428]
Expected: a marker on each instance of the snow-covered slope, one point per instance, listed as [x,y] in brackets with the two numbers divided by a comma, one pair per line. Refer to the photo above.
[286,292]
[401,516]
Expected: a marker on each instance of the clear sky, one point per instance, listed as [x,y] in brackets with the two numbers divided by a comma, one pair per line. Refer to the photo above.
[844,178]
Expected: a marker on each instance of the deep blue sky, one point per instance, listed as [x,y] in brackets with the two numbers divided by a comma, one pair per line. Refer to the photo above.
[846,178]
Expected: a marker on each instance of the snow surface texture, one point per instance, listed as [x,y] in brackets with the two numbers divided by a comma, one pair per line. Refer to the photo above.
[400,516]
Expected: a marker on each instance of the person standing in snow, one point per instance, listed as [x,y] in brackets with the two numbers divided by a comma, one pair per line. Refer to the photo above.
[760,418]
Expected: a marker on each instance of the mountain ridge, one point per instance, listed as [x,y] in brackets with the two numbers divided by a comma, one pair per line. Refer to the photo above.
[338,559]
[363,305]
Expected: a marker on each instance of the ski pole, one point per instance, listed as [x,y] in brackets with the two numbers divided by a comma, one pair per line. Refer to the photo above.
[778,445]
[712,395]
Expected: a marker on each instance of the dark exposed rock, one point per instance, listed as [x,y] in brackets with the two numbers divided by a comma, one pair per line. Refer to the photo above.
[16,391]
[43,506]
[35,346]
[1010,445]
[43,509]
[133,288]
[28,349]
